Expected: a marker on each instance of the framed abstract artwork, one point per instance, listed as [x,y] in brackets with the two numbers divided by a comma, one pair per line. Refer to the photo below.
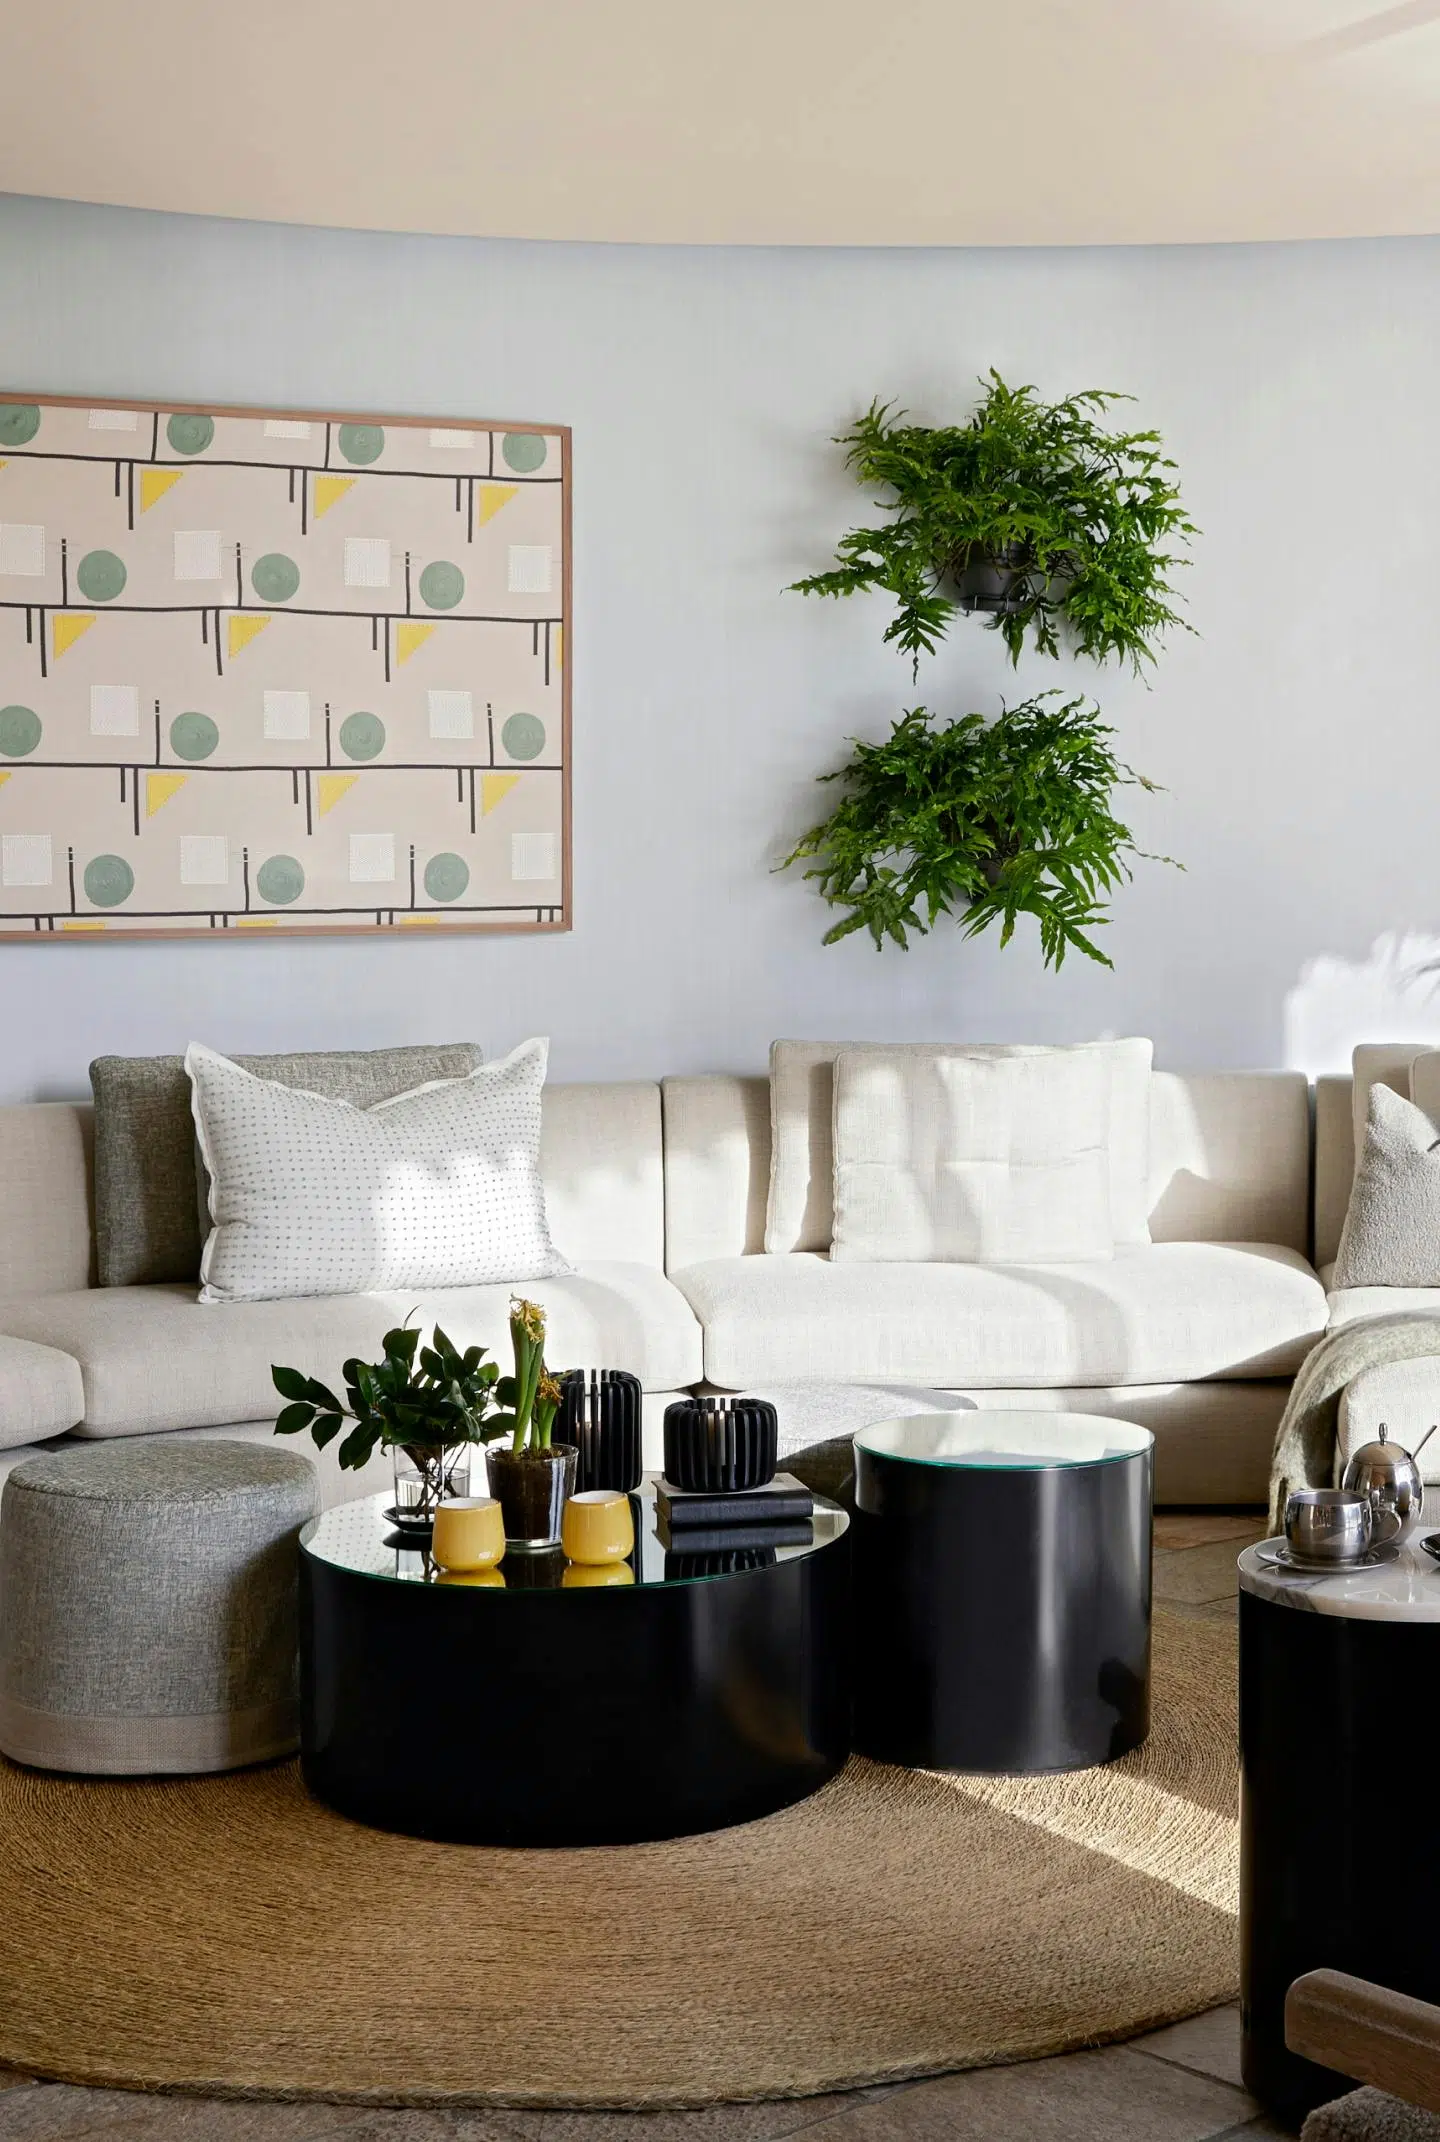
[281,671]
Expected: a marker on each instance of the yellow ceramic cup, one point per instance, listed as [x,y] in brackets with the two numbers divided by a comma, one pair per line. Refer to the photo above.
[469,1533]
[583,1576]
[597,1527]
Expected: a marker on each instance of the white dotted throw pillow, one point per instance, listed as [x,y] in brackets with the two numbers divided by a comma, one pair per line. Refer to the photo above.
[439,1187]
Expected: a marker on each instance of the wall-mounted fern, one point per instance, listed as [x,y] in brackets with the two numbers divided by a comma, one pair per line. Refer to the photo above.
[1032,510]
[984,820]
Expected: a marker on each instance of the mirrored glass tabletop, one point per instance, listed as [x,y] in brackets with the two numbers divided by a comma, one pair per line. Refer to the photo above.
[1019,1441]
[357,1536]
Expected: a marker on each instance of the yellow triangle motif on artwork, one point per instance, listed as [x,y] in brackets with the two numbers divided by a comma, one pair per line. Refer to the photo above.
[4,777]
[492,497]
[243,630]
[69,627]
[494,787]
[329,490]
[160,787]
[154,483]
[331,787]
[408,638]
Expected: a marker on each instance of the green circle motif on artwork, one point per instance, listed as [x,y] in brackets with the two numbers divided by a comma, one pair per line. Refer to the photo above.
[19,731]
[108,880]
[101,576]
[446,876]
[523,736]
[19,422]
[189,433]
[441,585]
[524,451]
[280,880]
[275,577]
[361,444]
[193,736]
[362,736]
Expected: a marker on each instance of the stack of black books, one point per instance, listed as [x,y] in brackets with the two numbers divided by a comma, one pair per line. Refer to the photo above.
[718,1520]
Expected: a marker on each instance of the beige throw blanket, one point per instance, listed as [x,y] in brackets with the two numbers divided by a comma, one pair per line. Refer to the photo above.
[1305,1440]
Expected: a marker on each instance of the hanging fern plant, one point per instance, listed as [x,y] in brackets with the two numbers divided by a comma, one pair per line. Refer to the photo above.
[988,821]
[1032,510]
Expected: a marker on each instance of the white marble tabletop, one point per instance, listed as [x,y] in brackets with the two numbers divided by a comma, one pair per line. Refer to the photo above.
[1404,1589]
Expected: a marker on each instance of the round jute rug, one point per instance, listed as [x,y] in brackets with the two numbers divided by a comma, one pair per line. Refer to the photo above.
[228,1935]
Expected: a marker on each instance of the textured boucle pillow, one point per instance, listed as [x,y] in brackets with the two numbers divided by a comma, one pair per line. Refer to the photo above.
[436,1188]
[1391,1236]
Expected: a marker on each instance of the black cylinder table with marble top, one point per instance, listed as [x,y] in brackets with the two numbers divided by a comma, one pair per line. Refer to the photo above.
[1002,1590]
[1337,1796]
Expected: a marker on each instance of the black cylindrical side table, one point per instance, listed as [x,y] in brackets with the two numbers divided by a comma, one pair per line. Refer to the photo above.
[1002,1590]
[1336,1797]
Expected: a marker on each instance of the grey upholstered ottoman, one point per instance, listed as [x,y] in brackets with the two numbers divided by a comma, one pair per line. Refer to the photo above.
[148,1606]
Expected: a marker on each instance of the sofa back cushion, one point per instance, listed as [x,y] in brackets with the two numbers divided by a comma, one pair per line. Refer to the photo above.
[1229,1162]
[968,1159]
[800,1213]
[46,1245]
[148,1202]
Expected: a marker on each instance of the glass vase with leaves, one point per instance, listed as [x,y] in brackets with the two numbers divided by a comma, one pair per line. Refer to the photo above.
[532,1476]
[427,1405]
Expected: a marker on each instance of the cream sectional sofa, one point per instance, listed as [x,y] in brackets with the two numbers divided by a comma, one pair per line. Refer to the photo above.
[658,1195]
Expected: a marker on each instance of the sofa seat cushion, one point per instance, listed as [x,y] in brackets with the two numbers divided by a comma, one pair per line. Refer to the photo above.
[156,1357]
[1156,1313]
[40,1392]
[1349,1304]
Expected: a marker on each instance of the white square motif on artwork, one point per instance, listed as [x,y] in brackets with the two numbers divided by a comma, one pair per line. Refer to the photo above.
[114,419]
[25,859]
[452,714]
[529,568]
[197,554]
[454,442]
[286,428]
[22,548]
[287,717]
[532,855]
[204,859]
[114,710]
[372,858]
[367,562]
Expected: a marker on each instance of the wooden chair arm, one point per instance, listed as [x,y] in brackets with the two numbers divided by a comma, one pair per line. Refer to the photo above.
[1366,2031]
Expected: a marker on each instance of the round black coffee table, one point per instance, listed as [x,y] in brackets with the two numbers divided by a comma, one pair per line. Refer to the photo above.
[1336,1796]
[1002,1590]
[709,1690]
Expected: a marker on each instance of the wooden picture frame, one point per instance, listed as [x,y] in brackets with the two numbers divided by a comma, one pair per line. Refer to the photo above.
[272,671]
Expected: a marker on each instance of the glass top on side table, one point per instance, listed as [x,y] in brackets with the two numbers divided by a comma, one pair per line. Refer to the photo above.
[357,1536]
[1021,1441]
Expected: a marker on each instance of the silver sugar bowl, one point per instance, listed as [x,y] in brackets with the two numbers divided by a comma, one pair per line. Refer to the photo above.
[1390,1479]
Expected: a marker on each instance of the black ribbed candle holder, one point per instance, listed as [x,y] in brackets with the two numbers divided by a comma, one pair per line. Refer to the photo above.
[715,1443]
[600,1414]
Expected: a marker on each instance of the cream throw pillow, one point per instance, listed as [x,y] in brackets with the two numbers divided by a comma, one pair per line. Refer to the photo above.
[439,1187]
[969,1159]
[1391,1236]
[799,1215]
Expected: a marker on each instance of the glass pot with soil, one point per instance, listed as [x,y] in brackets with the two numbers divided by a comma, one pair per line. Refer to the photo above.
[530,1477]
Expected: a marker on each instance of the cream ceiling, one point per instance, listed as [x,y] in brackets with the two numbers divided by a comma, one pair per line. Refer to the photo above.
[832,122]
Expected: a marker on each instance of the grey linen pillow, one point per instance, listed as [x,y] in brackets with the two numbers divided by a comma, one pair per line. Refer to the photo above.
[147,1197]
[1391,1236]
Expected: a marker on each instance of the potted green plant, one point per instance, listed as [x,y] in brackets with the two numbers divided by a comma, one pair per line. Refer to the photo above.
[1035,512]
[984,820]
[532,1478]
[428,1413]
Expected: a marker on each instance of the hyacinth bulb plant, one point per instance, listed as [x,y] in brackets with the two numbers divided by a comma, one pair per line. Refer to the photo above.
[532,1476]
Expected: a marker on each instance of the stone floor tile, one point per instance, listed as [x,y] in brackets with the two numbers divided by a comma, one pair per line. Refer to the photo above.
[1194,1574]
[59,2112]
[1209,2043]
[1109,2096]
[11,2078]
[1260,2129]
[763,2122]
[1198,1528]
